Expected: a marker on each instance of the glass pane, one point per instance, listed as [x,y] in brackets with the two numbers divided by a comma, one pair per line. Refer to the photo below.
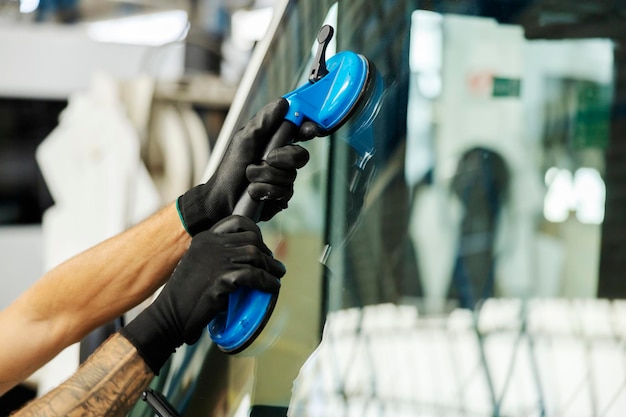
[488,176]
[474,264]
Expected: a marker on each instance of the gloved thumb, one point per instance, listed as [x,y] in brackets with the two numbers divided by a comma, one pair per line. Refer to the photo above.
[309,130]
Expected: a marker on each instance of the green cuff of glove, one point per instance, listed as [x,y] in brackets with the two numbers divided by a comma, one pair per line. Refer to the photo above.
[180,215]
[194,213]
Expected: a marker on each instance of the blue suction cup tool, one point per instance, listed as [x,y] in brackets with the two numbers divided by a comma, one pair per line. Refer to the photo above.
[248,311]
[347,86]
[335,90]
[331,100]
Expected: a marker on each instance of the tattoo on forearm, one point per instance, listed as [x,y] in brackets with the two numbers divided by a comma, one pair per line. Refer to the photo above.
[108,384]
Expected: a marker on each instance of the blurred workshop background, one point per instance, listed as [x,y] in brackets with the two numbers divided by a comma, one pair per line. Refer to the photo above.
[158,66]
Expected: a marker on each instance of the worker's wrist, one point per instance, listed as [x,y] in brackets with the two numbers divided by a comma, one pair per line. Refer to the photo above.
[153,344]
[195,214]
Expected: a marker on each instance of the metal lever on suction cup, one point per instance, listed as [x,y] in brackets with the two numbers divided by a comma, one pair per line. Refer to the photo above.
[319,69]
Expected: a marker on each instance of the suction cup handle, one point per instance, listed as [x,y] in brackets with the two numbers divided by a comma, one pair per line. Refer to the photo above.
[248,309]
[248,207]
[319,63]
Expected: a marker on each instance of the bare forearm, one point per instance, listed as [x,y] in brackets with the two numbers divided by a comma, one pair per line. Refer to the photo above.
[108,384]
[107,280]
[87,291]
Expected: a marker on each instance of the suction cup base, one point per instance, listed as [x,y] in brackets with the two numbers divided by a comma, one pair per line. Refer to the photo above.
[248,313]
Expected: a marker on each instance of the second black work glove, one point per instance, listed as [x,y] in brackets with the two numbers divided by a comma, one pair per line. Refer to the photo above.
[228,256]
[242,168]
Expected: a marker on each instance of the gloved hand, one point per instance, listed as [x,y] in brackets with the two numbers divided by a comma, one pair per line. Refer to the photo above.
[229,255]
[270,180]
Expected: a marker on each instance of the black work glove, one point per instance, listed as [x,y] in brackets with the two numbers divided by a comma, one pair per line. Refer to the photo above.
[270,180]
[228,256]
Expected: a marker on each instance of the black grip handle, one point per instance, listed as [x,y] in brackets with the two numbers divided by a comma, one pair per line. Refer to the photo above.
[285,135]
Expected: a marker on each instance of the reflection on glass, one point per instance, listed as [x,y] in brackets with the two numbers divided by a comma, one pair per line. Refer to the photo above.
[590,196]
[582,193]
[455,210]
[560,198]
[463,276]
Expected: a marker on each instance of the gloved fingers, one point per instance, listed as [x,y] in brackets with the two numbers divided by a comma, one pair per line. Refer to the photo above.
[252,255]
[271,208]
[235,224]
[288,157]
[309,130]
[257,278]
[273,112]
[241,241]
[236,232]
[269,192]
[257,132]
[193,335]
[215,300]
[268,183]
[265,173]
